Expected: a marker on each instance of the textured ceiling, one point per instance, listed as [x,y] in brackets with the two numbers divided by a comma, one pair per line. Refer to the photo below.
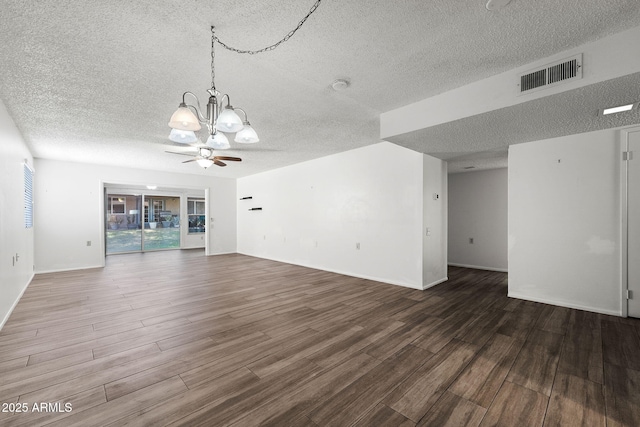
[97,82]
[483,139]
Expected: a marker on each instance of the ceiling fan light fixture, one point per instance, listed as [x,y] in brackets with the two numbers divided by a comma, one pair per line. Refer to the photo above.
[183,136]
[247,135]
[218,141]
[204,163]
[184,119]
[229,121]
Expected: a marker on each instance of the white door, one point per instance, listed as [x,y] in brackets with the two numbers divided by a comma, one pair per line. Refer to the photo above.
[633,217]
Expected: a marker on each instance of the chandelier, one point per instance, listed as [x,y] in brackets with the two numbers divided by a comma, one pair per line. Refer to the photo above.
[220,117]
[217,117]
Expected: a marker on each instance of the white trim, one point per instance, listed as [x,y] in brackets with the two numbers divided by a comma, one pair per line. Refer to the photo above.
[218,253]
[207,222]
[359,276]
[478,267]
[102,223]
[432,284]
[563,304]
[15,303]
[60,270]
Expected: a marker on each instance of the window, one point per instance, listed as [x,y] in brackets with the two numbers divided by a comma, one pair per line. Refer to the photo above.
[117,205]
[196,214]
[28,196]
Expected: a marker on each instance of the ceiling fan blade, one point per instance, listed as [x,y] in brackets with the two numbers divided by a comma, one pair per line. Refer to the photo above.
[218,162]
[234,159]
[182,154]
[192,160]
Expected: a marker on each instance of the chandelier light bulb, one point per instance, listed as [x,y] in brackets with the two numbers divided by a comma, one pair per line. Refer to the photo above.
[229,121]
[183,136]
[184,119]
[218,141]
[247,135]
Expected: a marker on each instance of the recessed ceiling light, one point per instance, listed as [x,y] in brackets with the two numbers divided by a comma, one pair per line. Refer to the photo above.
[152,187]
[619,109]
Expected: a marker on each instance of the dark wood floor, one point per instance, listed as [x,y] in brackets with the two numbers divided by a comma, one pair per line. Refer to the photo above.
[176,338]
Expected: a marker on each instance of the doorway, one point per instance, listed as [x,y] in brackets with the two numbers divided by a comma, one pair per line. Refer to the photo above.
[633,222]
[140,223]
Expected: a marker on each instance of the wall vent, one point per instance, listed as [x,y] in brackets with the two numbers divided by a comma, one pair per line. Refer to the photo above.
[551,75]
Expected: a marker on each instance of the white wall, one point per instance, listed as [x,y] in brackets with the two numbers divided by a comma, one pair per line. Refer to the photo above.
[434,229]
[564,221]
[316,212]
[14,237]
[69,210]
[223,219]
[478,210]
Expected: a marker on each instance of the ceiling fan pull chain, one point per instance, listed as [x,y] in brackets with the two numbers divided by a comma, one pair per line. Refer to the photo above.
[270,47]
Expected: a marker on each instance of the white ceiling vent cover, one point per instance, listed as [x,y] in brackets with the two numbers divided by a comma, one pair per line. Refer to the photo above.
[551,75]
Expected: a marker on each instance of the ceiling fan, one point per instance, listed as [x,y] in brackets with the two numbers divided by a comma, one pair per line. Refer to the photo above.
[205,158]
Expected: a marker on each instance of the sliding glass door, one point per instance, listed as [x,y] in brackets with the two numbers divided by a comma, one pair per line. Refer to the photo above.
[123,223]
[136,223]
[161,223]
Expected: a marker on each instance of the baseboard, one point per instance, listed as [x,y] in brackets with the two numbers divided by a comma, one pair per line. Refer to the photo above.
[344,273]
[15,303]
[221,253]
[432,284]
[479,267]
[186,248]
[61,270]
[563,304]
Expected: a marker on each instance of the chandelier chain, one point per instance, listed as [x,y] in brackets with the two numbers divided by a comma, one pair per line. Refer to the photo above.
[213,58]
[270,47]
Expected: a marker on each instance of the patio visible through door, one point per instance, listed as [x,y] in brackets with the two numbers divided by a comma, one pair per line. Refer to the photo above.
[137,223]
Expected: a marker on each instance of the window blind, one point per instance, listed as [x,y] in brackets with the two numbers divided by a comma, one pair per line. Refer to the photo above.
[28,196]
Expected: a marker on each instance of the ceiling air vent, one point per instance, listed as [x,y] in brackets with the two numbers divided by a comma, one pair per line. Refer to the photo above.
[551,75]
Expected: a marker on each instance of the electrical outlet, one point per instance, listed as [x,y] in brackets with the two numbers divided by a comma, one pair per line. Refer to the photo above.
[88,242]
[471,240]
[358,246]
